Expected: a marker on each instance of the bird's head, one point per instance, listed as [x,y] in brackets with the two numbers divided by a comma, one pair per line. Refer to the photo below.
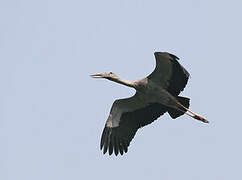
[109,76]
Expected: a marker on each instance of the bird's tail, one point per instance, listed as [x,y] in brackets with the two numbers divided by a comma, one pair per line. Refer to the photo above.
[176,113]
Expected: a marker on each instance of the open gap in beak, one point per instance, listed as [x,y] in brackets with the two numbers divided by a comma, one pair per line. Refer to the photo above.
[98,75]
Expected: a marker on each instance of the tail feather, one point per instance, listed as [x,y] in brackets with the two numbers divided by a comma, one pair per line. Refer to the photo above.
[175,113]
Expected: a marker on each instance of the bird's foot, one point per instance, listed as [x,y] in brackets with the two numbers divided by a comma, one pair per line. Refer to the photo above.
[200,118]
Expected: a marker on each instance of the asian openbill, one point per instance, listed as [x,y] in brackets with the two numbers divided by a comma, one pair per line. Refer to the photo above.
[155,95]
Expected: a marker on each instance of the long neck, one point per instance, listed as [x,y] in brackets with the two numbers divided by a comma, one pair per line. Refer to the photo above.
[124,82]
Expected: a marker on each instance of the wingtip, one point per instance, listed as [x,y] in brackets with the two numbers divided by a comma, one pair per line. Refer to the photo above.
[156,53]
[174,56]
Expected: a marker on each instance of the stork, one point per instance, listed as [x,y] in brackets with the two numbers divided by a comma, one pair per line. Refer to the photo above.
[155,95]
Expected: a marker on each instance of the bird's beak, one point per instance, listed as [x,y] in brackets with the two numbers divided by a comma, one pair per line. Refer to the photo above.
[98,75]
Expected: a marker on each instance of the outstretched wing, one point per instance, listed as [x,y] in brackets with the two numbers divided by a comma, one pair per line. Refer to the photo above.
[125,118]
[169,73]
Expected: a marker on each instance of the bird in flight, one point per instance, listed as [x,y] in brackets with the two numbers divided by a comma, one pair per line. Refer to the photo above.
[155,95]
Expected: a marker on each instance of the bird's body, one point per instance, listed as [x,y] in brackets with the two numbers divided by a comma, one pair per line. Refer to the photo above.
[150,92]
[155,95]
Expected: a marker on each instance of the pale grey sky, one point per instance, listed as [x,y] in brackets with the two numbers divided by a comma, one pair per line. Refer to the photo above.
[52,113]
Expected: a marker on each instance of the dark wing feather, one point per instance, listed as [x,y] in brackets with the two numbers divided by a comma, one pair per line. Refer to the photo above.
[178,79]
[120,129]
[169,74]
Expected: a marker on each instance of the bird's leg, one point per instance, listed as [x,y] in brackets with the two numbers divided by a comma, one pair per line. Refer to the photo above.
[198,117]
[192,114]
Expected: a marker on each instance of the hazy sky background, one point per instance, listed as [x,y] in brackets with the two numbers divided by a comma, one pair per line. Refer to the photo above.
[52,113]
